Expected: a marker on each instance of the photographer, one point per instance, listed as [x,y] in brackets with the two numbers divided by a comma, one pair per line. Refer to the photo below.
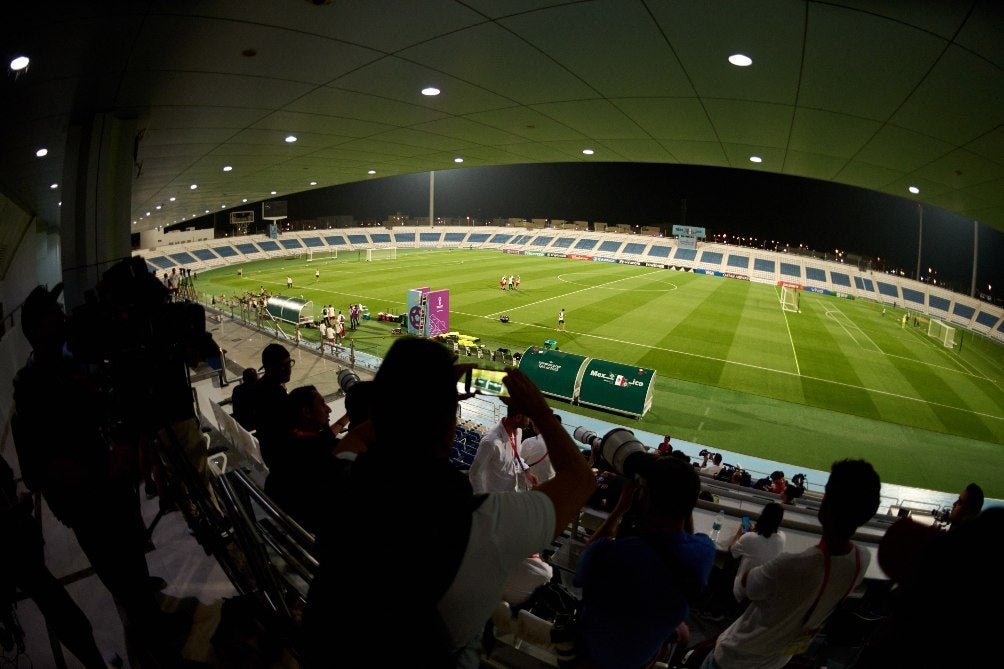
[712,469]
[638,581]
[436,579]
[87,476]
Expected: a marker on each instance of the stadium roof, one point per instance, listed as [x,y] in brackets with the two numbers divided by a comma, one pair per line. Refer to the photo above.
[881,95]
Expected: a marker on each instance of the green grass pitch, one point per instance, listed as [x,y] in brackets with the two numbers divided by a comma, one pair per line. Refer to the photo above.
[838,380]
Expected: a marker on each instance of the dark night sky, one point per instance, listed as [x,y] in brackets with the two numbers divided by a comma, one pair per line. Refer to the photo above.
[822,215]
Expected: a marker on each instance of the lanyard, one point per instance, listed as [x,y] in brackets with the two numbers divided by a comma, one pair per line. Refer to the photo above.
[515,451]
[826,577]
[538,460]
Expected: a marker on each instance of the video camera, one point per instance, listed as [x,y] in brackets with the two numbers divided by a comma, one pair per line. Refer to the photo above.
[616,451]
[136,344]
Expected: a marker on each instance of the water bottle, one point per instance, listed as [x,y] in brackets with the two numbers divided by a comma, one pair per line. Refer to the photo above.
[716,526]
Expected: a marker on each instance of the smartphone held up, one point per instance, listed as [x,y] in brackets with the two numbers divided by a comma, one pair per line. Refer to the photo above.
[485,382]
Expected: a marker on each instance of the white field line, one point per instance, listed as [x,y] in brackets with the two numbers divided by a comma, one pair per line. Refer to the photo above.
[942,351]
[847,327]
[784,314]
[993,364]
[574,292]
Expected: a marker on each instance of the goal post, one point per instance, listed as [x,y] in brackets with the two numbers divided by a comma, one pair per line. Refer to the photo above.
[389,253]
[789,299]
[942,332]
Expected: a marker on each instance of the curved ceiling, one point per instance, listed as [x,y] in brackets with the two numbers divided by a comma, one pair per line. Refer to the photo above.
[882,95]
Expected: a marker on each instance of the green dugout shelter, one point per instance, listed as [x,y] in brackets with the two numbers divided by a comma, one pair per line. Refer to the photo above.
[290,309]
[616,387]
[556,373]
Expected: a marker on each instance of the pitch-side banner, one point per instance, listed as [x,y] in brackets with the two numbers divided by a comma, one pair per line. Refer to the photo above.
[436,309]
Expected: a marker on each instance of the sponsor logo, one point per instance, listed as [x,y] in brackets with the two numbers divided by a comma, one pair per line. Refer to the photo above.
[733,275]
[535,253]
[514,252]
[557,255]
[655,264]
[630,262]
[579,257]
[616,379]
[604,259]
[549,366]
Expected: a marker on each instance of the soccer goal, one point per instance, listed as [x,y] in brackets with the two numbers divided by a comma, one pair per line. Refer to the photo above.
[789,299]
[381,254]
[943,333]
[310,256]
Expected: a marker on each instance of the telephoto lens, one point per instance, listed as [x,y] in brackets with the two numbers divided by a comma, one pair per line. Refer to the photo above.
[619,449]
[346,379]
[587,437]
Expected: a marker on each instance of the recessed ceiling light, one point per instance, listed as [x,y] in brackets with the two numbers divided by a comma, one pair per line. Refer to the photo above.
[914,190]
[147,213]
[42,153]
[458,160]
[172,198]
[313,183]
[273,192]
[227,168]
[19,63]
[588,152]
[244,200]
[290,139]
[158,206]
[194,186]
[54,186]
[371,172]
[223,206]
[134,222]
[207,211]
[740,60]
[756,159]
[430,91]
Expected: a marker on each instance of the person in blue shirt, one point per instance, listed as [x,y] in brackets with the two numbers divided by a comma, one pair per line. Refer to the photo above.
[639,579]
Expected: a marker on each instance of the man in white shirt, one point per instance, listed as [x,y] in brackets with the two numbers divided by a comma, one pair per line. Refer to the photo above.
[497,465]
[712,469]
[533,450]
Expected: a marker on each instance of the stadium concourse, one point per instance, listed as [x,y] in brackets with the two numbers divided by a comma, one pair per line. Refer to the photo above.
[197,586]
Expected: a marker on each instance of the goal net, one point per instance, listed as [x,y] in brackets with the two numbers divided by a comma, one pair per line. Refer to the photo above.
[943,333]
[789,299]
[310,255]
[381,254]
